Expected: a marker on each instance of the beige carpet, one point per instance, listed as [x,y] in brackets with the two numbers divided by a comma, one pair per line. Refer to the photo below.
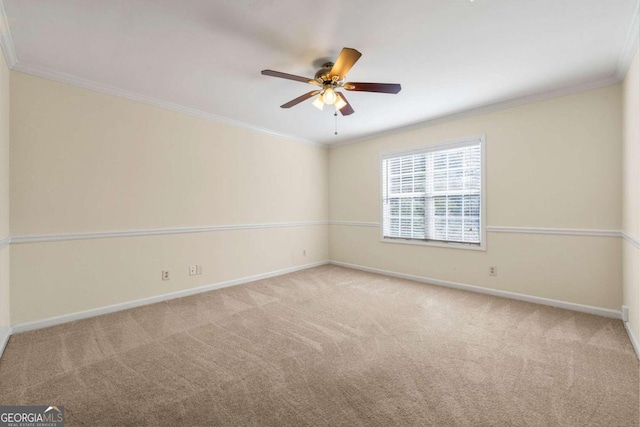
[330,346]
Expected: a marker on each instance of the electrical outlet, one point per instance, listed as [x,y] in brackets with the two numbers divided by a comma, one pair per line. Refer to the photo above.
[198,270]
[192,270]
[165,275]
[493,271]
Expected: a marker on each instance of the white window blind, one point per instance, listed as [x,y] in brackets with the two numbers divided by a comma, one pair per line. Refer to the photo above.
[434,194]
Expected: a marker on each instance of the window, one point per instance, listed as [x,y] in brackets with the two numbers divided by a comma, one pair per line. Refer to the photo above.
[435,195]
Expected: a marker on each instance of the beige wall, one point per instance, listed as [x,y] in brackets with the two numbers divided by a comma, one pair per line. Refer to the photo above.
[550,164]
[4,198]
[631,195]
[87,162]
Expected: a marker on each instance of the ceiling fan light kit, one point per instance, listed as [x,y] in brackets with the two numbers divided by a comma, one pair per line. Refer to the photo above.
[340,103]
[318,103]
[332,77]
[329,95]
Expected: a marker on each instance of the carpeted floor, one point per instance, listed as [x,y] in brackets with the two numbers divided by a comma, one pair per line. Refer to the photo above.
[330,346]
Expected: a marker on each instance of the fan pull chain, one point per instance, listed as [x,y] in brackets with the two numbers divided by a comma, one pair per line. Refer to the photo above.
[336,116]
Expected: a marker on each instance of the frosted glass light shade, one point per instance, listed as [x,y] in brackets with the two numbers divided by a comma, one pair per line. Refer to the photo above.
[329,96]
[318,103]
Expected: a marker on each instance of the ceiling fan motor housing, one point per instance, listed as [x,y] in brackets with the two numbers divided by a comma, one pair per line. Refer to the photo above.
[323,73]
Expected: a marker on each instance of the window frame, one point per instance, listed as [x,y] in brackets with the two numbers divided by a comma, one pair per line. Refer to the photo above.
[444,145]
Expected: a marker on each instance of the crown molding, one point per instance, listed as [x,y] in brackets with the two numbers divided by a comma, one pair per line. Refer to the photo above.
[6,41]
[630,45]
[488,108]
[626,56]
[69,79]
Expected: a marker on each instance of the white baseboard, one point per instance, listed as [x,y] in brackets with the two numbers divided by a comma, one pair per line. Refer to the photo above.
[614,314]
[66,318]
[52,321]
[633,339]
[5,333]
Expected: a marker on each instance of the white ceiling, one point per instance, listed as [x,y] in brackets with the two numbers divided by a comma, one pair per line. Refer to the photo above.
[205,56]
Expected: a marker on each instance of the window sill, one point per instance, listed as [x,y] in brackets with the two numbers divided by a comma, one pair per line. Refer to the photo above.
[464,246]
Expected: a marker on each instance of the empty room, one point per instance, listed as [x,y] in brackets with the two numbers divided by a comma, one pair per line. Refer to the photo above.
[292,213]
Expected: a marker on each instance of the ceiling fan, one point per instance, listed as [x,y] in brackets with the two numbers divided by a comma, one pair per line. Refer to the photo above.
[330,78]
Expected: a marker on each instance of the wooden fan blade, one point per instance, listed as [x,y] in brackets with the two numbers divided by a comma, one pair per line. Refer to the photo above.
[287,76]
[373,87]
[347,109]
[345,61]
[299,99]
